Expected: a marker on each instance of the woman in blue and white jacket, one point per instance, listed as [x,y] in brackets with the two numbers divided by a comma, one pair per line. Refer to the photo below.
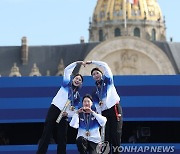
[68,91]
[107,102]
[88,123]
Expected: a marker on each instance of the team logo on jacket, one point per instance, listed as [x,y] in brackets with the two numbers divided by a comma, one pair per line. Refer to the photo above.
[81,119]
[93,118]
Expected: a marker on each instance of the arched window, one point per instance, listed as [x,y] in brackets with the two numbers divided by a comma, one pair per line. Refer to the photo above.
[137,32]
[117,32]
[100,35]
[153,34]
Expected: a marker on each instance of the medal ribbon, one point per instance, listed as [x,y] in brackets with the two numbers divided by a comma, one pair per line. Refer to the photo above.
[87,120]
[100,90]
[71,96]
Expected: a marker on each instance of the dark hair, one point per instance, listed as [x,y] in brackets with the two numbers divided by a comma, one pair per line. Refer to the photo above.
[96,69]
[87,96]
[78,75]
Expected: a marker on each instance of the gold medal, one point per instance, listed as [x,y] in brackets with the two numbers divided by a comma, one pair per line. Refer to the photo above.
[100,103]
[87,133]
[72,108]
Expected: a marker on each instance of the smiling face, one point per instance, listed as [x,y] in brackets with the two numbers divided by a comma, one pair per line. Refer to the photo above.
[97,75]
[77,81]
[87,102]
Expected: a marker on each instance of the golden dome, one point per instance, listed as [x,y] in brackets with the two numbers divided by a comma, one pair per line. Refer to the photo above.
[107,10]
[113,18]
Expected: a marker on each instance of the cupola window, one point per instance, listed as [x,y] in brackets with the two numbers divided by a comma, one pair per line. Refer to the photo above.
[137,32]
[100,35]
[153,34]
[117,32]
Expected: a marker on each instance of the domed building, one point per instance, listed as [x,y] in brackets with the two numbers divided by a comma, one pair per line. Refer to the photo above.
[115,18]
[130,35]
[133,37]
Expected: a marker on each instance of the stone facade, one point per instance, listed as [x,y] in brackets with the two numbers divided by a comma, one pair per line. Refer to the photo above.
[131,56]
[135,47]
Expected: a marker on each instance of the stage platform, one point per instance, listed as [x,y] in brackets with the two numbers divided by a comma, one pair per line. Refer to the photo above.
[149,102]
[72,149]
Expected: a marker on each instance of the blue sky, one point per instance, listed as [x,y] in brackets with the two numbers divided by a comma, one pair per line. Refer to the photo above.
[57,22]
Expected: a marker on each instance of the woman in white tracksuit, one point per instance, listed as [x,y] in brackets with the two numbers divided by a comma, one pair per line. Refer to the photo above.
[107,102]
[68,91]
[88,123]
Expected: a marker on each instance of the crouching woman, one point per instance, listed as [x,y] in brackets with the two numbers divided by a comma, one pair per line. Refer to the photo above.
[88,123]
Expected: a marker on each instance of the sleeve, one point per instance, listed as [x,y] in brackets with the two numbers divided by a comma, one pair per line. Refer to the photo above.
[98,108]
[101,119]
[106,68]
[68,71]
[74,121]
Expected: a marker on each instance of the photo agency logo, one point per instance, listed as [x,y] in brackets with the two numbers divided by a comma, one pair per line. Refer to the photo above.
[144,149]
[103,148]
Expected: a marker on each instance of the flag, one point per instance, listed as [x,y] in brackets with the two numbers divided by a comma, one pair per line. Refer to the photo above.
[135,2]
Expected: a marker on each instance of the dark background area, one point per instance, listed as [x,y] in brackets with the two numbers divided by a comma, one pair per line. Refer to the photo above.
[133,132]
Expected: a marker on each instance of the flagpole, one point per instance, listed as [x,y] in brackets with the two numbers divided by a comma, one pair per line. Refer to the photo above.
[125,20]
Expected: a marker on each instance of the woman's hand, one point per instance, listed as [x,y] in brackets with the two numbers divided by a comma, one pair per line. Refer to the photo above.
[81,62]
[65,114]
[88,62]
[87,110]
[80,110]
